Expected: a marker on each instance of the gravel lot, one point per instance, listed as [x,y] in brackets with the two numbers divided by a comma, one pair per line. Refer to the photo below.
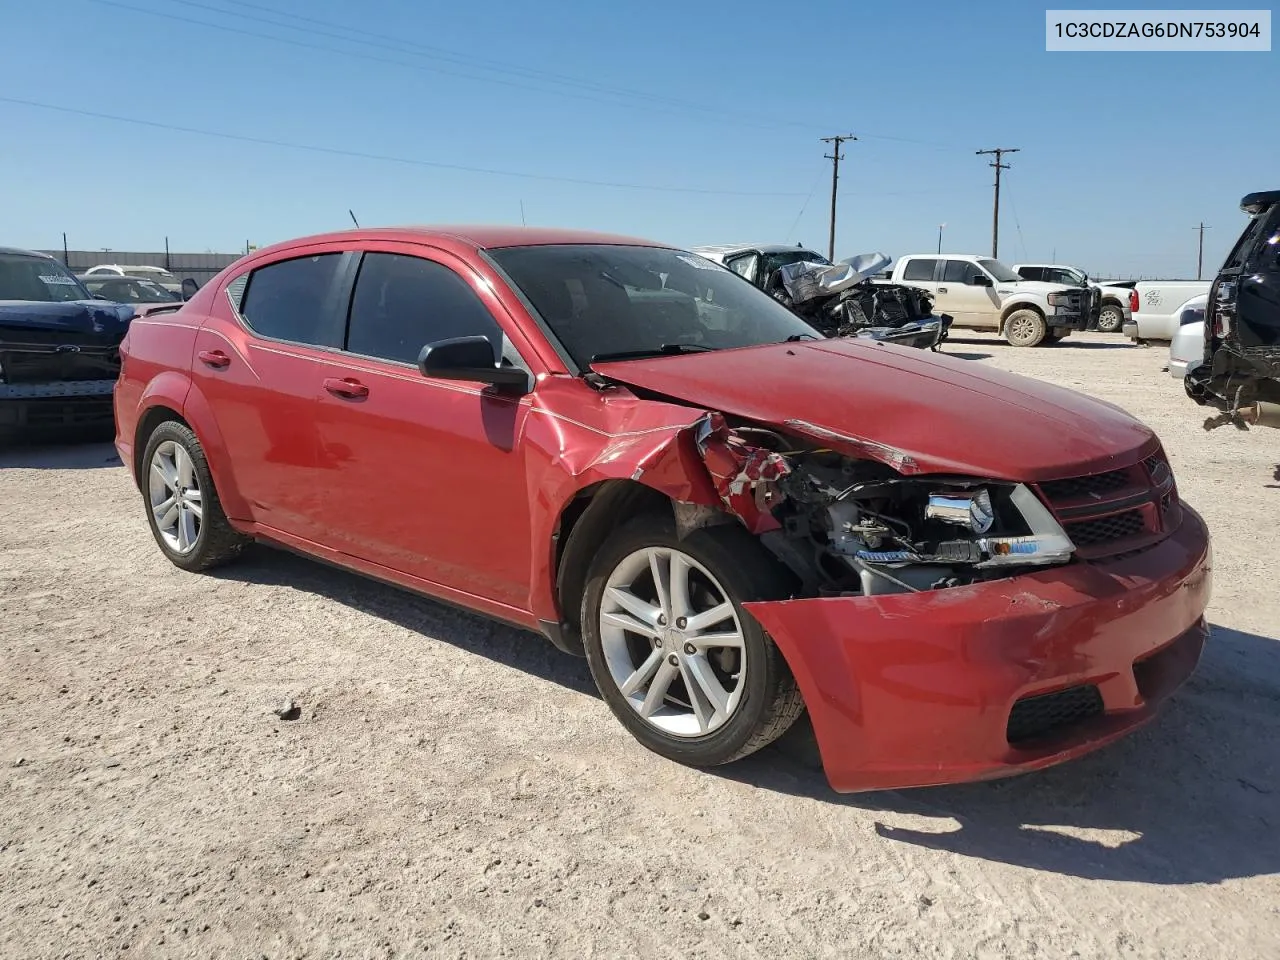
[454,787]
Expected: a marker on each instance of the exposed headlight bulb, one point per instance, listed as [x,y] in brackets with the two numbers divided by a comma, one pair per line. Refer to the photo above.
[970,509]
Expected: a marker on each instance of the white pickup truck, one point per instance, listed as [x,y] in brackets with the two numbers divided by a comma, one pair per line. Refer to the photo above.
[984,294]
[1115,302]
[1157,305]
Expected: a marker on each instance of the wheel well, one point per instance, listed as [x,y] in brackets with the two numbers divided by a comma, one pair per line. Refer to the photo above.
[1112,302]
[150,420]
[585,523]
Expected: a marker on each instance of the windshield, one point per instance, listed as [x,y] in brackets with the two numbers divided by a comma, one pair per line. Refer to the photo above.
[602,300]
[998,270]
[38,280]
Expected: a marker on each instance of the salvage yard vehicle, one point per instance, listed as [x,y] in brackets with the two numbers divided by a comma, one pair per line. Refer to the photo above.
[838,299]
[960,573]
[59,351]
[1186,349]
[159,274]
[1155,307]
[1111,303]
[984,294]
[1240,373]
[145,296]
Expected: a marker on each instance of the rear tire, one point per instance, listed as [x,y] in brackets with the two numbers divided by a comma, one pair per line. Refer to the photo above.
[743,693]
[1111,319]
[1025,328]
[183,510]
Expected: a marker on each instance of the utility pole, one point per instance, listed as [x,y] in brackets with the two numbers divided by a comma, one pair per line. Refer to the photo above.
[1200,255]
[995,213]
[835,158]
[940,226]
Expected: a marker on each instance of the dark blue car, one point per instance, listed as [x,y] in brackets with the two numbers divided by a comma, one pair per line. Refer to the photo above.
[59,351]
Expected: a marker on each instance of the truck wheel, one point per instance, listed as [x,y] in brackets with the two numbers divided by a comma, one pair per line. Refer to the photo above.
[183,509]
[682,666]
[1111,319]
[1025,328]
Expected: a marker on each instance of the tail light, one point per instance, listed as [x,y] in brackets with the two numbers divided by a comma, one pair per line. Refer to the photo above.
[1133,300]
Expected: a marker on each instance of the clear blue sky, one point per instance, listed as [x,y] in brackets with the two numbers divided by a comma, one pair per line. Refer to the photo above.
[1122,154]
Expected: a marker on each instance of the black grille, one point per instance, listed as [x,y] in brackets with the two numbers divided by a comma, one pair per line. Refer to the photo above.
[1118,526]
[1076,487]
[1035,717]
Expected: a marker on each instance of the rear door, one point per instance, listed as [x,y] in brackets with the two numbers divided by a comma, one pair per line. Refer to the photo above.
[259,362]
[421,475]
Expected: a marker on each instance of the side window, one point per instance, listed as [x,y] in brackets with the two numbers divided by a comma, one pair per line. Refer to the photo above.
[959,271]
[919,269]
[402,303]
[290,300]
[1031,273]
[744,265]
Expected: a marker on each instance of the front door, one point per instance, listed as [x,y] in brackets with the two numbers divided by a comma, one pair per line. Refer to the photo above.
[971,304]
[423,476]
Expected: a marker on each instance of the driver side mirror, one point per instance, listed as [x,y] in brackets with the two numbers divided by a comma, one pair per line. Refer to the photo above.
[979,280]
[470,358]
[189,288]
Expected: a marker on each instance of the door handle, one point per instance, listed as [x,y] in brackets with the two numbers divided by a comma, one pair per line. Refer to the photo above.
[347,388]
[215,358]
[942,289]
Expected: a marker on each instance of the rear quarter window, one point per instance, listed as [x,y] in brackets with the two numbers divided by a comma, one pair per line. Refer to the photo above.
[921,269]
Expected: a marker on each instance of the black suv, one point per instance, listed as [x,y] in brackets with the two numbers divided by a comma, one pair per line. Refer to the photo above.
[1241,370]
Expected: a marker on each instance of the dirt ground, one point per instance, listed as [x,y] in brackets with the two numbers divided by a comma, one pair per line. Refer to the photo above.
[455,788]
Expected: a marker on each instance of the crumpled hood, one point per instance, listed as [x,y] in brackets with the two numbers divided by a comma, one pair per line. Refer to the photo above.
[920,412]
[97,320]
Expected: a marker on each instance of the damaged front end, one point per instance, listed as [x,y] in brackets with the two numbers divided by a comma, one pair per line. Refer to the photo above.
[842,300]
[857,527]
[953,628]
[1240,373]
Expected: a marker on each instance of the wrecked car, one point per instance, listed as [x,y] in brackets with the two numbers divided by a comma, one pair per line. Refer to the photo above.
[59,351]
[1240,372]
[841,299]
[957,573]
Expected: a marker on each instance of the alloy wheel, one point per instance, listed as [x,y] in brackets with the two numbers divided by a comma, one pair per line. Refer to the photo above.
[175,498]
[672,642]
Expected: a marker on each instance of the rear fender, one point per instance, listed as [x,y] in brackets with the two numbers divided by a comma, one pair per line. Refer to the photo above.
[199,415]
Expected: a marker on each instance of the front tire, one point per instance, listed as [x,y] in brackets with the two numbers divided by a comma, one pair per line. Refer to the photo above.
[1111,319]
[183,510]
[1025,328]
[682,666]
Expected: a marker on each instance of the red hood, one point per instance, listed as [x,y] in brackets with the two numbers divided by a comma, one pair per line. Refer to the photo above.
[921,412]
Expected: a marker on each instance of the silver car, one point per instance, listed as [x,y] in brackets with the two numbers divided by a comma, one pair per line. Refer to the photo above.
[1186,349]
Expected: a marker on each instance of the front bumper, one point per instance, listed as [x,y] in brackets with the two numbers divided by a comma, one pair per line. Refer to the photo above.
[918,689]
[49,409]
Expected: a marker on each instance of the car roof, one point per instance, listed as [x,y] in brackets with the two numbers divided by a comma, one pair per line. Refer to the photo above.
[474,237]
[19,252]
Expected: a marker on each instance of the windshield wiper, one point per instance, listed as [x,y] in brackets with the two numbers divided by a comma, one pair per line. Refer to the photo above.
[797,337]
[666,349]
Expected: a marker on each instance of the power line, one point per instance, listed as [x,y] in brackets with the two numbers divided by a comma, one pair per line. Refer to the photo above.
[1013,205]
[611,95]
[995,212]
[803,207]
[359,155]
[834,156]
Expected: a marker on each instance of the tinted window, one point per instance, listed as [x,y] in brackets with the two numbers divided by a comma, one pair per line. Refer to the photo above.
[959,271]
[998,270]
[403,303]
[290,300]
[605,299]
[919,270]
[1031,273]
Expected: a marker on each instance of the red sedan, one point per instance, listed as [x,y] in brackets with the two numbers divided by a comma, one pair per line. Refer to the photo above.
[958,572]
